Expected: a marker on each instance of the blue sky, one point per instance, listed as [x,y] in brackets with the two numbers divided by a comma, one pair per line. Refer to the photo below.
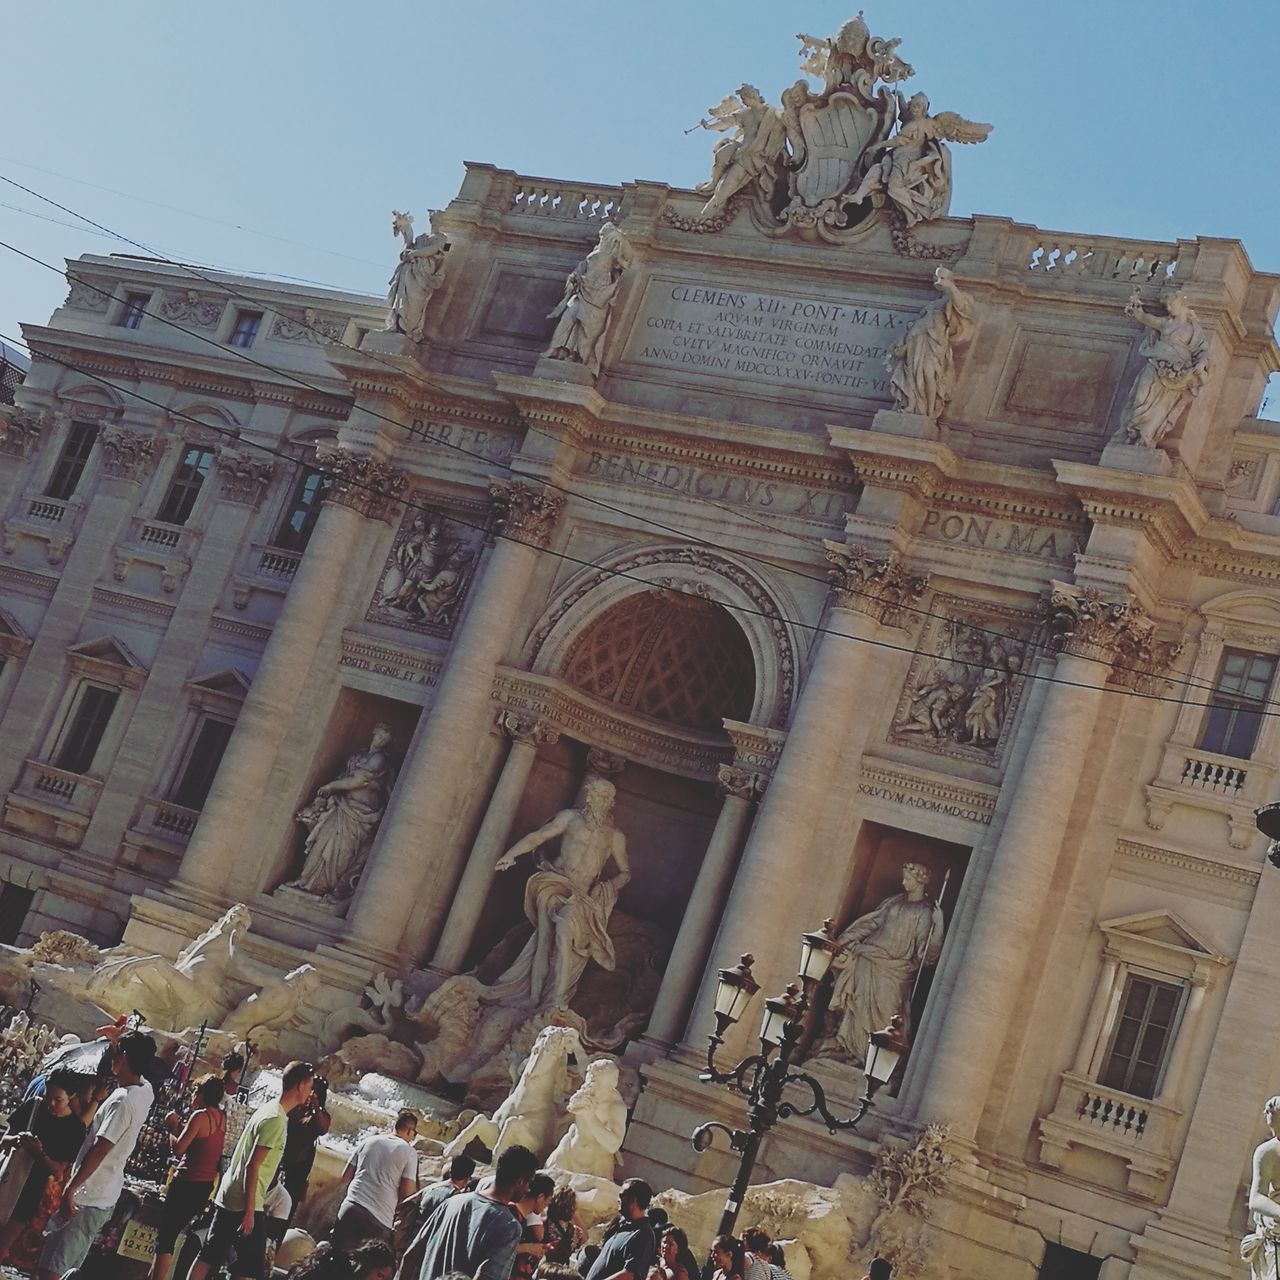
[281,134]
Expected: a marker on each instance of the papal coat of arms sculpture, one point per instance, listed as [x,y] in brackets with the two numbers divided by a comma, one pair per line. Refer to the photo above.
[824,160]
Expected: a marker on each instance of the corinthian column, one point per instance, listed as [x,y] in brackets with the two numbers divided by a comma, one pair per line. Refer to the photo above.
[362,491]
[527,734]
[771,903]
[1093,634]
[414,865]
[684,969]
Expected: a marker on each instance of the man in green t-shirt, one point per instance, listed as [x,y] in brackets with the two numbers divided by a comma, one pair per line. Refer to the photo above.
[239,1221]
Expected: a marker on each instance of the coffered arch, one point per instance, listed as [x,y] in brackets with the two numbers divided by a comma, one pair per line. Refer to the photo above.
[557,646]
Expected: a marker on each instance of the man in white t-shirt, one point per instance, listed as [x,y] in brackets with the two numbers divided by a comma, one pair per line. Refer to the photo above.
[382,1172]
[97,1177]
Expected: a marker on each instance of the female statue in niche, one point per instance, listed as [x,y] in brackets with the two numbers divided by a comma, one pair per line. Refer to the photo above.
[922,366]
[341,821]
[876,969]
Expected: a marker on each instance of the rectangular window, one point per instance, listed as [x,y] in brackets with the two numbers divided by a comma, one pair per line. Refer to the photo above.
[15,902]
[70,466]
[1143,1036]
[191,788]
[135,307]
[184,488]
[294,530]
[83,735]
[1238,701]
[1061,1263]
[246,328]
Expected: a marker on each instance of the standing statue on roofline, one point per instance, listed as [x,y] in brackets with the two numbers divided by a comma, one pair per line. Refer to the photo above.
[419,274]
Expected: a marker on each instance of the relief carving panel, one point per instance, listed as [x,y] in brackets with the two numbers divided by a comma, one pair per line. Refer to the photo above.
[428,570]
[964,685]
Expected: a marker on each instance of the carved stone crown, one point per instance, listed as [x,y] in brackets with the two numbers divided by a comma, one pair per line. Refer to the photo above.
[360,482]
[243,478]
[873,583]
[126,454]
[525,514]
[1084,623]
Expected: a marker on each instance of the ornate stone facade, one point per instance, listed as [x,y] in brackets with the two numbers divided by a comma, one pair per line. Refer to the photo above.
[821,601]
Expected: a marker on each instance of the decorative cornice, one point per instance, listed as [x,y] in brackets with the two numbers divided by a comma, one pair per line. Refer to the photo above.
[126,454]
[606,728]
[873,583]
[524,513]
[243,478]
[360,653]
[929,792]
[1231,872]
[361,483]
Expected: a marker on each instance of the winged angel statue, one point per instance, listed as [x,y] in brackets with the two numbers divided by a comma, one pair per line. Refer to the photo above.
[819,153]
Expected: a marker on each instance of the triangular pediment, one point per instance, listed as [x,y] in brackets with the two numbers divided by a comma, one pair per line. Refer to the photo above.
[228,682]
[1163,928]
[10,627]
[107,649]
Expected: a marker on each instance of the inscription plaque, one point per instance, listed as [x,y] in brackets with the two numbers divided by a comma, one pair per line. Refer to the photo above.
[781,340]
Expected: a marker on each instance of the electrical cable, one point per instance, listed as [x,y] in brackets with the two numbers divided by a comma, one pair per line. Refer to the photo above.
[1188,683]
[1184,682]
[800,624]
[1030,645]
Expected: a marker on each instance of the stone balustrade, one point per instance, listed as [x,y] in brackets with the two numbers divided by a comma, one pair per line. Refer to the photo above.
[542,198]
[275,562]
[162,817]
[51,509]
[1217,774]
[1138,1134]
[1129,262]
[1200,779]
[52,802]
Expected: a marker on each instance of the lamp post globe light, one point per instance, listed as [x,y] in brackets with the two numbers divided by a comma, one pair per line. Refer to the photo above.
[763,1077]
[1267,820]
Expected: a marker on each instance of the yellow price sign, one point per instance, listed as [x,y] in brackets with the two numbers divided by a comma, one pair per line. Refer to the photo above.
[138,1241]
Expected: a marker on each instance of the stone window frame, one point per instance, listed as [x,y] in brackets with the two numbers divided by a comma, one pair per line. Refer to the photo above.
[205,700]
[1187,775]
[87,666]
[1145,1133]
[300,449]
[14,646]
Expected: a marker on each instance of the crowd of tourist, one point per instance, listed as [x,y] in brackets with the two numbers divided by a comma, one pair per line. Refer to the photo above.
[252,1170]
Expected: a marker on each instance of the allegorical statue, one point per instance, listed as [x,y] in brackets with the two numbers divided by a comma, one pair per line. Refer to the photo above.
[419,274]
[914,174]
[342,818]
[751,155]
[568,902]
[1177,363]
[922,367]
[880,955]
[599,1125]
[587,305]
[1261,1247]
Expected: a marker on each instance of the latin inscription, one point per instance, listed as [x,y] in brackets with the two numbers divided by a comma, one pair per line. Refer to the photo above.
[783,340]
[1001,535]
[718,486]
[492,445]
[913,801]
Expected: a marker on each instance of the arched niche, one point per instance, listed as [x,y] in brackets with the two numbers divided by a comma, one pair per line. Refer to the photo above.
[655,576]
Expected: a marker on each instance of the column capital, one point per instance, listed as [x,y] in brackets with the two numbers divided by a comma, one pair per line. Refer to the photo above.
[126,454]
[1081,621]
[528,727]
[242,477]
[359,481]
[745,784]
[873,583]
[20,429]
[525,513]
[604,763]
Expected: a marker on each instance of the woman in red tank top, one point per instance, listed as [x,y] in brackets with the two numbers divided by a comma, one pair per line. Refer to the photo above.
[199,1148]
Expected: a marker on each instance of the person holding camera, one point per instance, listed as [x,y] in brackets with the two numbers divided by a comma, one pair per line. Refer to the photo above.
[308,1123]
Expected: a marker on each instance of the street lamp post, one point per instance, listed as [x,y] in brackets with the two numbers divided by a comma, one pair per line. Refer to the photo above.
[763,1077]
[1267,820]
